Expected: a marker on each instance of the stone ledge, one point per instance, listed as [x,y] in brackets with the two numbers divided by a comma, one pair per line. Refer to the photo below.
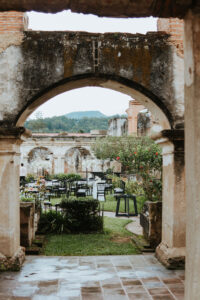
[13,263]
[171,258]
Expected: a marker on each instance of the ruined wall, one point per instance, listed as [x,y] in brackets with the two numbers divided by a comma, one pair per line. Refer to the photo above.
[62,154]
[133,110]
[12,25]
[117,126]
[43,64]
[144,123]
[174,27]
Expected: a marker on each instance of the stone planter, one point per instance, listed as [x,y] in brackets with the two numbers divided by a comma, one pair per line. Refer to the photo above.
[27,223]
[151,222]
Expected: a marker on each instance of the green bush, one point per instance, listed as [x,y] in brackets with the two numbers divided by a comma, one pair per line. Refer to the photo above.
[77,216]
[52,222]
[115,180]
[30,178]
[63,176]
[134,187]
[82,215]
[27,199]
[137,155]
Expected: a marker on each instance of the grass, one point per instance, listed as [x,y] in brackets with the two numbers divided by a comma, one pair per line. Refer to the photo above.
[110,203]
[115,240]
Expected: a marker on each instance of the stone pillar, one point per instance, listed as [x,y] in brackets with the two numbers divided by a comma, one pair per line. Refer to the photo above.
[11,255]
[59,162]
[171,251]
[134,108]
[192,158]
[62,164]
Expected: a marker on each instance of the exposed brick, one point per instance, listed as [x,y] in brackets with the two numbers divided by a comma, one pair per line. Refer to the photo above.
[174,27]
[13,22]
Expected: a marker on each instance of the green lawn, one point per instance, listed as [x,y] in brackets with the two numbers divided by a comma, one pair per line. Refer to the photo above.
[110,203]
[115,240]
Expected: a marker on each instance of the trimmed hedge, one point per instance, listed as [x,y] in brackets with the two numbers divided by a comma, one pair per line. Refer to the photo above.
[82,215]
[77,216]
[63,176]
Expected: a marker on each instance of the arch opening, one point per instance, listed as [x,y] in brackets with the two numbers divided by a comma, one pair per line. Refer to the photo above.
[162,115]
[40,161]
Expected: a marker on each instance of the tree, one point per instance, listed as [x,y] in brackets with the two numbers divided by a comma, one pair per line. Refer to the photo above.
[38,124]
[137,155]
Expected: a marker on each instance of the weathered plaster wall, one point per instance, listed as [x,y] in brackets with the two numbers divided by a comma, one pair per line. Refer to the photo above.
[48,63]
[175,28]
[117,126]
[63,155]
[192,145]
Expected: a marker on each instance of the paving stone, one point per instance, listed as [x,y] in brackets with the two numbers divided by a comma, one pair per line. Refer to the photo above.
[74,278]
[163,297]
[139,296]
[131,282]
[158,291]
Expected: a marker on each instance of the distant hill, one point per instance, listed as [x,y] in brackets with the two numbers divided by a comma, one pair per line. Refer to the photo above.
[85,114]
[82,121]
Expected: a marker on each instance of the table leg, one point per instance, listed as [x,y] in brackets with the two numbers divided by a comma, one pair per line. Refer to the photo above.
[117,208]
[135,205]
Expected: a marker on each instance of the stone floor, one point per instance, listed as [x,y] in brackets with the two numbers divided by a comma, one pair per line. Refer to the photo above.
[131,277]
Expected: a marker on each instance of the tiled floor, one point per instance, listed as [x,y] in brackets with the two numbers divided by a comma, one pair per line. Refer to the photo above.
[139,277]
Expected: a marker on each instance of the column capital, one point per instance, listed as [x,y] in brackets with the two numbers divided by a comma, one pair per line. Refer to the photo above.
[11,138]
[173,134]
[14,133]
[172,138]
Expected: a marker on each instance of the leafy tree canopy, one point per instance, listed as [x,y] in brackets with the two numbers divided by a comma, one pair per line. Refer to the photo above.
[138,155]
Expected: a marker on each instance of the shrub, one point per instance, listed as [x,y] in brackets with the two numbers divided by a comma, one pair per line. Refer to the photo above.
[52,222]
[27,199]
[63,176]
[34,199]
[77,216]
[115,180]
[30,178]
[82,215]
[134,187]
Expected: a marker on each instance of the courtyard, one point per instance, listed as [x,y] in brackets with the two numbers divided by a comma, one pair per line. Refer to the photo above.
[160,70]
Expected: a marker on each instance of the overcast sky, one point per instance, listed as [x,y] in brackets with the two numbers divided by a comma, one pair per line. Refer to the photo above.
[89,98]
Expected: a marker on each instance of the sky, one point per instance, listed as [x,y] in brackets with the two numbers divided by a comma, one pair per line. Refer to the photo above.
[107,101]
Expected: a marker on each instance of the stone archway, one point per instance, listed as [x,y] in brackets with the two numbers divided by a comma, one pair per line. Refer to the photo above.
[74,158]
[46,64]
[190,11]
[40,161]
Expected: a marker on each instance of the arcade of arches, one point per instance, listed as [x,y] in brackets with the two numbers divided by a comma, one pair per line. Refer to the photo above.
[150,69]
[56,153]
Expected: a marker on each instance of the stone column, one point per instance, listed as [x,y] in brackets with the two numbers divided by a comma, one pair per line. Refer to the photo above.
[62,164]
[192,158]
[11,255]
[59,164]
[171,251]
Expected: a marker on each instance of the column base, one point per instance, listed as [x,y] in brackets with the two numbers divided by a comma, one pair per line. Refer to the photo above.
[171,258]
[13,263]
